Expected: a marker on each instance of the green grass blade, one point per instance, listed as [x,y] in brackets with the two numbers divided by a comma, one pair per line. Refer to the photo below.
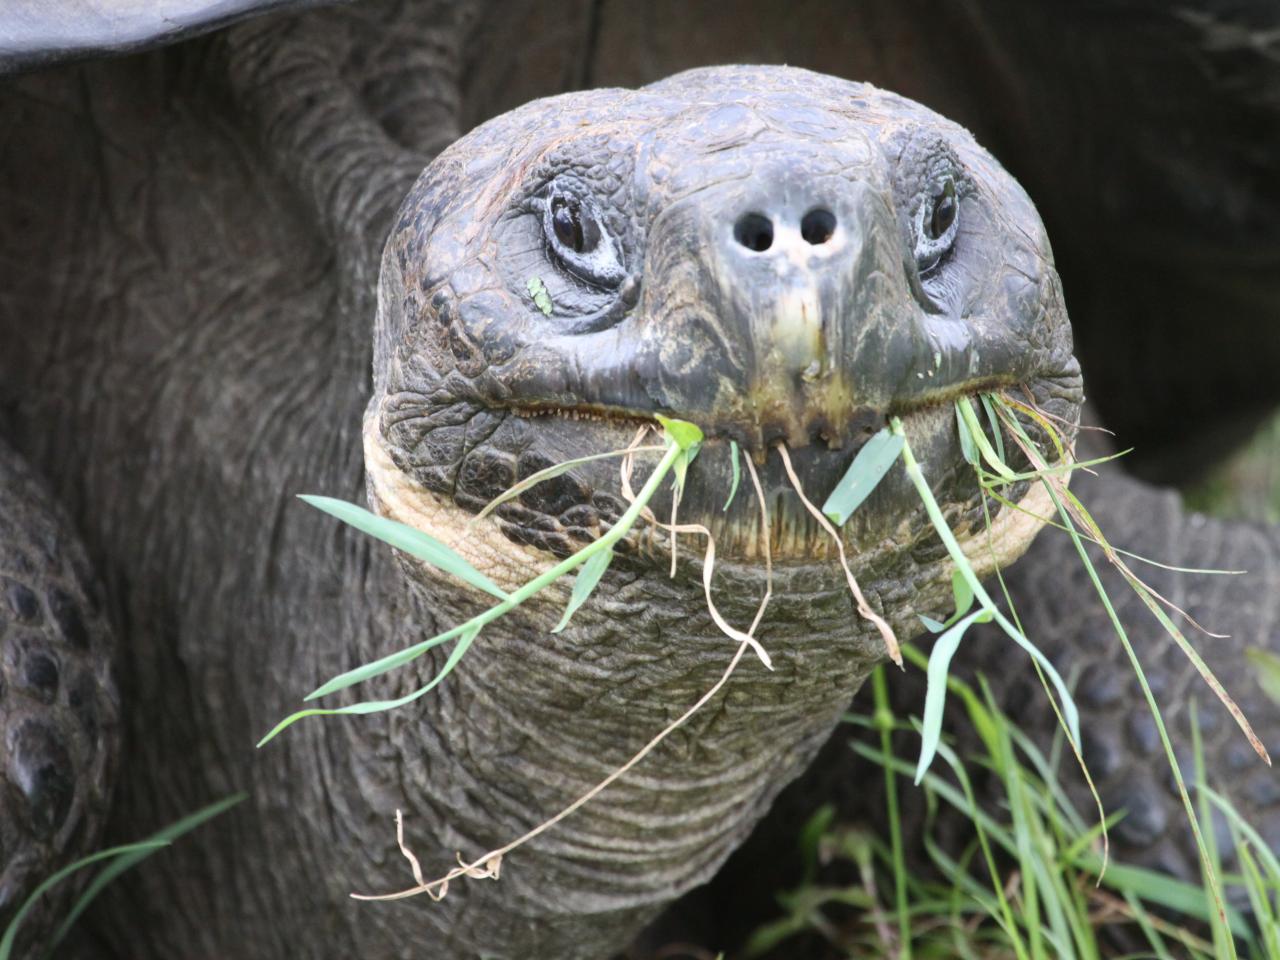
[1161,890]
[962,592]
[11,931]
[967,447]
[550,473]
[1070,713]
[404,537]
[734,456]
[1266,667]
[685,439]
[399,658]
[996,433]
[378,706]
[1069,467]
[970,418]
[870,465]
[392,660]
[1049,521]
[1228,809]
[125,861]
[935,697]
[1141,917]
[589,575]
[884,721]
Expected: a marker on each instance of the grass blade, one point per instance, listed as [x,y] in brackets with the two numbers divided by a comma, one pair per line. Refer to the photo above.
[996,433]
[550,473]
[685,435]
[935,697]
[392,660]
[871,464]
[970,419]
[11,931]
[378,706]
[125,861]
[884,721]
[1069,711]
[962,593]
[404,537]
[735,456]
[1266,667]
[967,448]
[1160,889]
[589,575]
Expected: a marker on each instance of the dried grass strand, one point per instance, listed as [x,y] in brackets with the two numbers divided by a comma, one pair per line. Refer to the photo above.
[864,608]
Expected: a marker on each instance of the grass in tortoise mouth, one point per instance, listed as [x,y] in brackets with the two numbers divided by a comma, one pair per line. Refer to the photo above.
[680,443]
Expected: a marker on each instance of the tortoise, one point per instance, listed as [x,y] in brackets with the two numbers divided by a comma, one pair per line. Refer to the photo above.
[200,236]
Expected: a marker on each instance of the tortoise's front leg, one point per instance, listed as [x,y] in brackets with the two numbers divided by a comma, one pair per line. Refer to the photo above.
[59,710]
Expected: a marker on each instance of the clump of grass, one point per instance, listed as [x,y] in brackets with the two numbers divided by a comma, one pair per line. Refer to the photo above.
[1029,884]
[993,472]
[117,860]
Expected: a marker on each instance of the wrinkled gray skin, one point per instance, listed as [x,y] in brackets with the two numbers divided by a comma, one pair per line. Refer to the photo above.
[210,357]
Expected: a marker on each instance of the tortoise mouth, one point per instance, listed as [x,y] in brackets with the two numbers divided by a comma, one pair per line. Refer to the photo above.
[856,428]
[567,512]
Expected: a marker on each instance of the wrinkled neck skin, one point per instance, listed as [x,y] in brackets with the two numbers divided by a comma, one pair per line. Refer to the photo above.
[532,720]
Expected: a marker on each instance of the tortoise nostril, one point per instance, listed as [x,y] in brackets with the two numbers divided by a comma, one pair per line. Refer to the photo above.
[754,231]
[818,225]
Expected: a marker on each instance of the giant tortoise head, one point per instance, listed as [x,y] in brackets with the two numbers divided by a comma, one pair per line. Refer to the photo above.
[778,256]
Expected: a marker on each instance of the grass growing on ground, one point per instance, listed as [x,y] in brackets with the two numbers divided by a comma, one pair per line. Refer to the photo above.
[1029,883]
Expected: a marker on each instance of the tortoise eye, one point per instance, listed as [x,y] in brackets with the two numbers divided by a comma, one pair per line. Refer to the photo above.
[944,211]
[578,239]
[579,235]
[935,231]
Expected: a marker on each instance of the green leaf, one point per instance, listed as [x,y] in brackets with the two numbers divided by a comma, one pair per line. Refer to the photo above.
[681,467]
[382,665]
[680,432]
[962,592]
[126,860]
[538,292]
[589,575]
[935,696]
[11,931]
[404,537]
[1070,713]
[967,448]
[1267,671]
[735,456]
[1161,889]
[868,468]
[550,473]
[932,625]
[378,706]
[996,432]
[965,407]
